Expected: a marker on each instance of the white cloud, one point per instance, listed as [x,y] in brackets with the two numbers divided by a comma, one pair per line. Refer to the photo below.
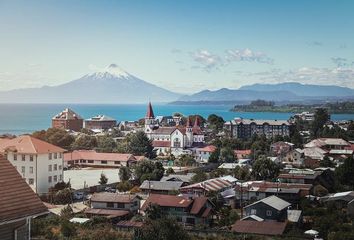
[247,55]
[207,59]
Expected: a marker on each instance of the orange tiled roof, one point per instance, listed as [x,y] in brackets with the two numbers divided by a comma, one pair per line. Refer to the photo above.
[93,155]
[17,199]
[29,145]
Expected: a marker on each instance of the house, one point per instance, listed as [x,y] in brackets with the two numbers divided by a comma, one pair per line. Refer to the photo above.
[113,205]
[242,153]
[246,128]
[340,199]
[328,143]
[91,158]
[68,120]
[324,178]
[313,156]
[202,188]
[175,140]
[281,150]
[202,154]
[295,158]
[168,121]
[257,190]
[259,227]
[189,211]
[19,204]
[38,162]
[166,187]
[185,178]
[270,208]
[100,122]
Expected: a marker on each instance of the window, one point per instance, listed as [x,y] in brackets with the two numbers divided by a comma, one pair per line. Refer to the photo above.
[60,167]
[60,156]
[15,157]
[55,155]
[55,167]
[30,181]
[31,169]
[190,220]
[269,213]
[110,205]
[253,212]
[49,168]
[23,157]
[60,178]
[55,178]
[23,169]
[116,162]
[50,179]
[121,205]
[50,156]
[31,158]
[90,161]
[103,162]
[176,143]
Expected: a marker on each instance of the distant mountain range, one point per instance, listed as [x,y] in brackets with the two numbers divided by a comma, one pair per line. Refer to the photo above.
[282,92]
[112,85]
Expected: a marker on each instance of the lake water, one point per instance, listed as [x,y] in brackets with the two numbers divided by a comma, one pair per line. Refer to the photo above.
[26,118]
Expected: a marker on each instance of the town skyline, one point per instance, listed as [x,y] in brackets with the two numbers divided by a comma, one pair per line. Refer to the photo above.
[227,44]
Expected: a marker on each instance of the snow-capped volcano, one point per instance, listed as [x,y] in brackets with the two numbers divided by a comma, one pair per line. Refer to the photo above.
[109,85]
[114,70]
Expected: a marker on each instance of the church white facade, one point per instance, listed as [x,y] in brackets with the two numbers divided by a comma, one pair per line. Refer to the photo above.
[175,140]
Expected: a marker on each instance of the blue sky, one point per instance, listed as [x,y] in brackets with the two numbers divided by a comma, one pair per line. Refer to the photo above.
[183,45]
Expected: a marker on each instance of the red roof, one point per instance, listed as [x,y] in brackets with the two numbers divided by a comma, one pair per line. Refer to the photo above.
[106,212]
[189,122]
[112,197]
[157,143]
[209,148]
[166,201]
[196,122]
[150,112]
[264,227]
[29,145]
[17,199]
[93,155]
[198,203]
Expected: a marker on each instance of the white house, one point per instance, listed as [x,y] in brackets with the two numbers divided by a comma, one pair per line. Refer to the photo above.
[38,162]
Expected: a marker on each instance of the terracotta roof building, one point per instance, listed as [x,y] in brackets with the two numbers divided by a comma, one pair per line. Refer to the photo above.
[18,203]
[91,158]
[262,228]
[39,163]
[185,210]
[69,120]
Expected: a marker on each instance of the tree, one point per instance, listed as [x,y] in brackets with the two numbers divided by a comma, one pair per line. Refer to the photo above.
[260,146]
[344,173]
[149,170]
[63,196]
[103,179]
[326,162]
[153,212]
[265,169]
[68,229]
[106,144]
[320,119]
[242,173]
[139,144]
[55,136]
[227,216]
[214,156]
[227,155]
[163,229]
[170,171]
[199,176]
[84,141]
[186,160]
[216,123]
[124,186]
[124,174]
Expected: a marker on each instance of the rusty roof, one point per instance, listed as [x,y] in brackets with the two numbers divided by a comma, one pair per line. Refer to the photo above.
[17,199]
[112,197]
[29,145]
[166,201]
[263,228]
[106,212]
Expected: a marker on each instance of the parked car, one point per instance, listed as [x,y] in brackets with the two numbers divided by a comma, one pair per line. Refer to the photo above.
[78,195]
[109,189]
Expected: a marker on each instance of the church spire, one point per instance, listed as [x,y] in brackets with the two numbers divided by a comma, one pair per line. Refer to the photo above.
[149,112]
